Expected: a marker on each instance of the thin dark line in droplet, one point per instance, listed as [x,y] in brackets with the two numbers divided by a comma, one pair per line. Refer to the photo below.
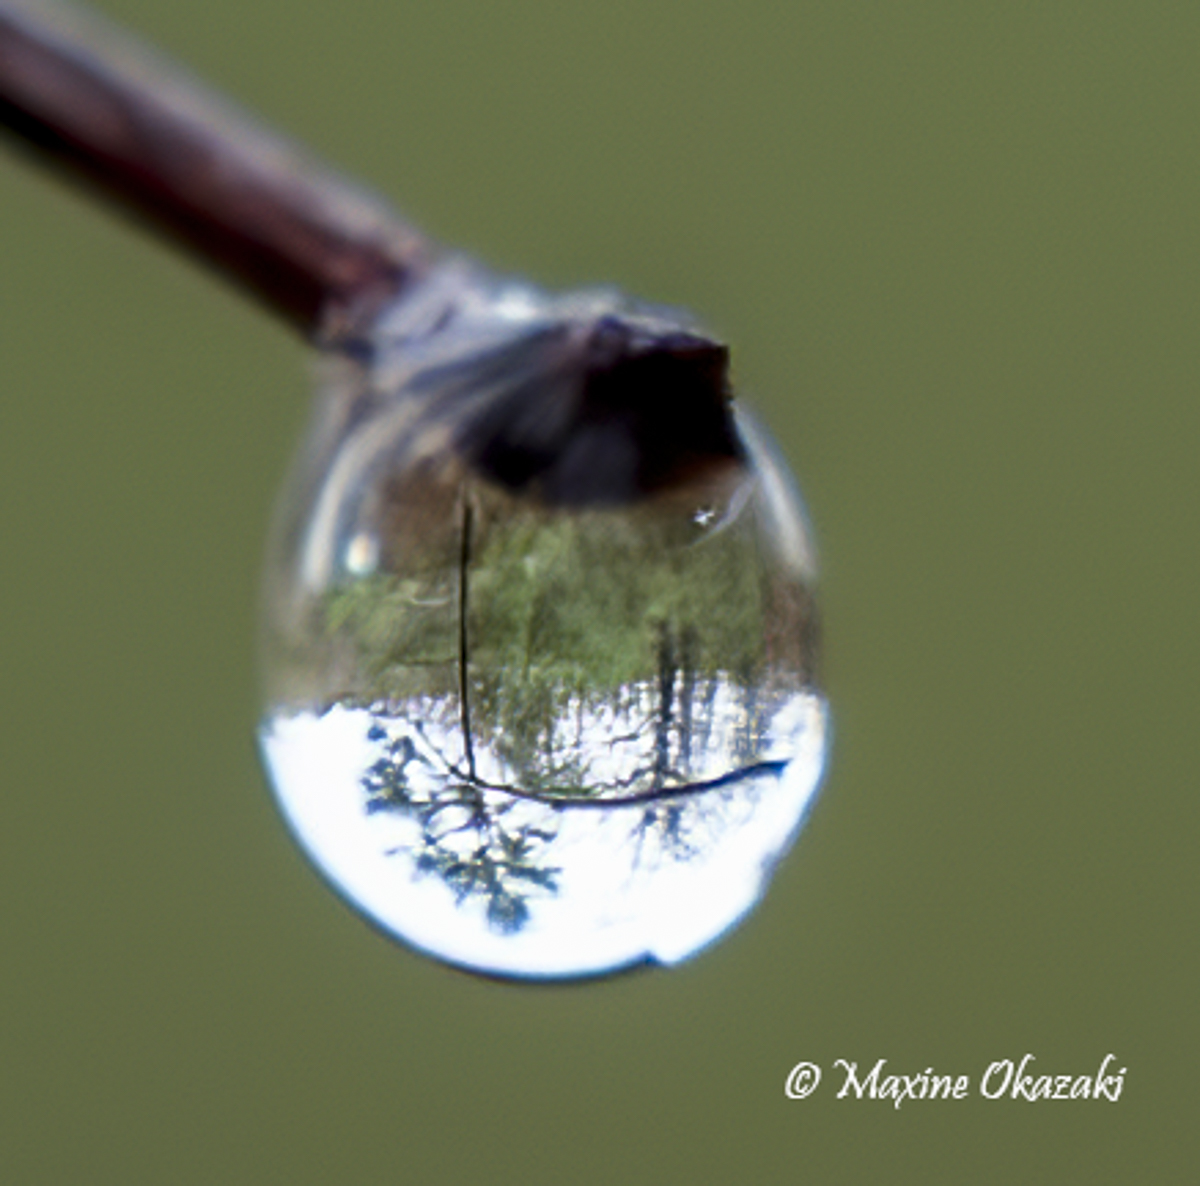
[666,703]
[464,560]
[563,798]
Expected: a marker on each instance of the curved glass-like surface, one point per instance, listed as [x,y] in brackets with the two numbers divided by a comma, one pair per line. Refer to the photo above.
[540,637]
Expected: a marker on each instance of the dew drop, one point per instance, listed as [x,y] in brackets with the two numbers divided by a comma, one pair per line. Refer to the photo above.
[540,634]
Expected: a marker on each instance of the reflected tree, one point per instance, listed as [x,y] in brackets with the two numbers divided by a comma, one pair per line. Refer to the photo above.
[465,839]
[525,660]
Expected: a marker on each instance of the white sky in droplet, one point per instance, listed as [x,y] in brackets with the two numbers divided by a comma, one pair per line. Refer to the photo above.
[613,906]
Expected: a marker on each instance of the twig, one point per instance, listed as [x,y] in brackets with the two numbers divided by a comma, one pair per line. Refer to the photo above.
[315,250]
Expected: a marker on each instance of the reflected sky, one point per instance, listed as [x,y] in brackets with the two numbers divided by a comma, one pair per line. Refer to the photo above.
[654,880]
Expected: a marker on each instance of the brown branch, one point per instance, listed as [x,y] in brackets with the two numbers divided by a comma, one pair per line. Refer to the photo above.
[312,248]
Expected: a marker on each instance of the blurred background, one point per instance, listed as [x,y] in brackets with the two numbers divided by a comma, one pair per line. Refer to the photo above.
[956,248]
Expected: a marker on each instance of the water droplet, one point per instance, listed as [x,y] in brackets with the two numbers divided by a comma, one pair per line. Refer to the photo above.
[540,635]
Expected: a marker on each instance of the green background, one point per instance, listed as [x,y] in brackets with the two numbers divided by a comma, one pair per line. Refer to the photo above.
[957,249]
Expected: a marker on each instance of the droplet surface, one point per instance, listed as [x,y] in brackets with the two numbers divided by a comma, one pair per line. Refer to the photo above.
[540,635]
